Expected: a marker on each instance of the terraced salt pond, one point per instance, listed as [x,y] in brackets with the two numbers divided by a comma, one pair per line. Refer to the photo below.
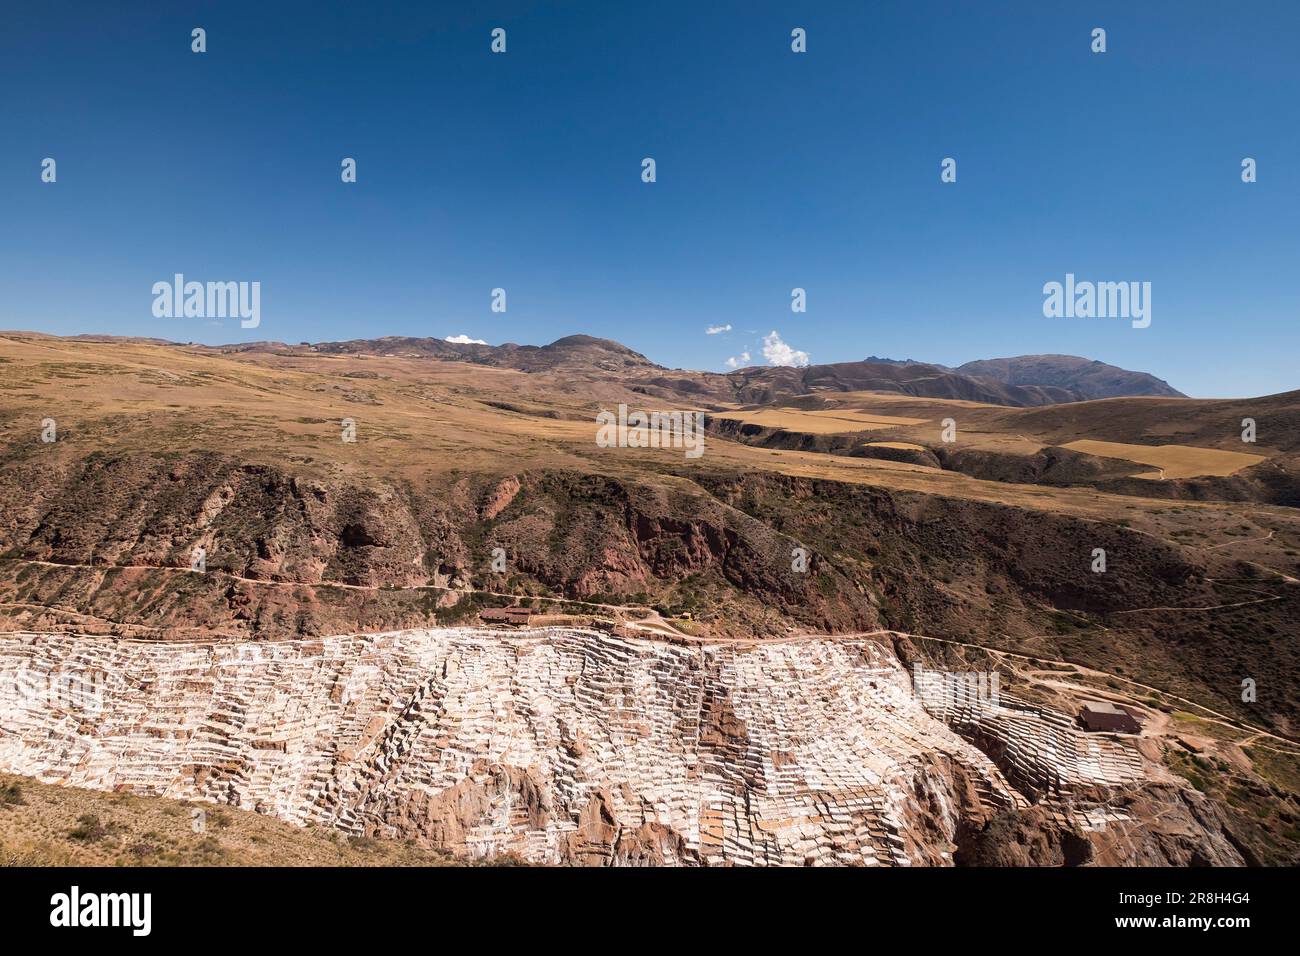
[559,745]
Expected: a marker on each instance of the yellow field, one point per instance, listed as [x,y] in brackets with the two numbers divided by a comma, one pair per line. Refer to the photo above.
[862,399]
[1174,461]
[824,422]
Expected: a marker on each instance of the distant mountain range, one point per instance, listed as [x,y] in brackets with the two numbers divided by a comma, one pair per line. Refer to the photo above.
[1085,377]
[1080,377]
[1025,380]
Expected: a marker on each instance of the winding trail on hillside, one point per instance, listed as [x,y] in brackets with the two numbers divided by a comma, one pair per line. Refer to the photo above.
[1228,544]
[652,624]
[176,569]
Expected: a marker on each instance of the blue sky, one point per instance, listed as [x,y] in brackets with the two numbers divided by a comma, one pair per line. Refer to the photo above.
[775,170]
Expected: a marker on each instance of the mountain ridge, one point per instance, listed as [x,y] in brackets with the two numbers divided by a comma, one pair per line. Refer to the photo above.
[1022,380]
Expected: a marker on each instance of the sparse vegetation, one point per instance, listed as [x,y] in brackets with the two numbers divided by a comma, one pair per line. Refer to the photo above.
[47,825]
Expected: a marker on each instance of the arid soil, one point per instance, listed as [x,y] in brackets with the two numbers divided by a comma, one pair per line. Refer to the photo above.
[192,494]
[51,825]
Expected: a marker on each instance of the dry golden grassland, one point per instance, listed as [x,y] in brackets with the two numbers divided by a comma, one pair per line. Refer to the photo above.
[1174,461]
[418,417]
[820,422]
[903,445]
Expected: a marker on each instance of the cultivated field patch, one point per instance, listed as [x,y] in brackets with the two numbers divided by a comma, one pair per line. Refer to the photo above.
[1174,461]
[830,422]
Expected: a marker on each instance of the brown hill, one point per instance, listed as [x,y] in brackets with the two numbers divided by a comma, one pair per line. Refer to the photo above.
[577,353]
[1212,422]
[767,385]
[164,448]
[1083,377]
[1025,381]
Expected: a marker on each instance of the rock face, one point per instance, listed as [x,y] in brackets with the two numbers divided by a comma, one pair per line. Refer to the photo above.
[578,747]
[112,538]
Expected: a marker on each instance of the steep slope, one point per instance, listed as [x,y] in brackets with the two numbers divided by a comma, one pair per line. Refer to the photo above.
[568,746]
[108,544]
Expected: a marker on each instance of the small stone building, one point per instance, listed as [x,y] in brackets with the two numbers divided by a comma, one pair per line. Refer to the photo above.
[1103,715]
[506,615]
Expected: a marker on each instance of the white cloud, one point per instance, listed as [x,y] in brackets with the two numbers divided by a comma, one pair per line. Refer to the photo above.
[715,329]
[736,361]
[778,353]
[463,339]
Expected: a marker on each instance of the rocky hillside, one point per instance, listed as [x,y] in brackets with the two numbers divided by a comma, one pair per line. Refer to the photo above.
[283,497]
[109,542]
